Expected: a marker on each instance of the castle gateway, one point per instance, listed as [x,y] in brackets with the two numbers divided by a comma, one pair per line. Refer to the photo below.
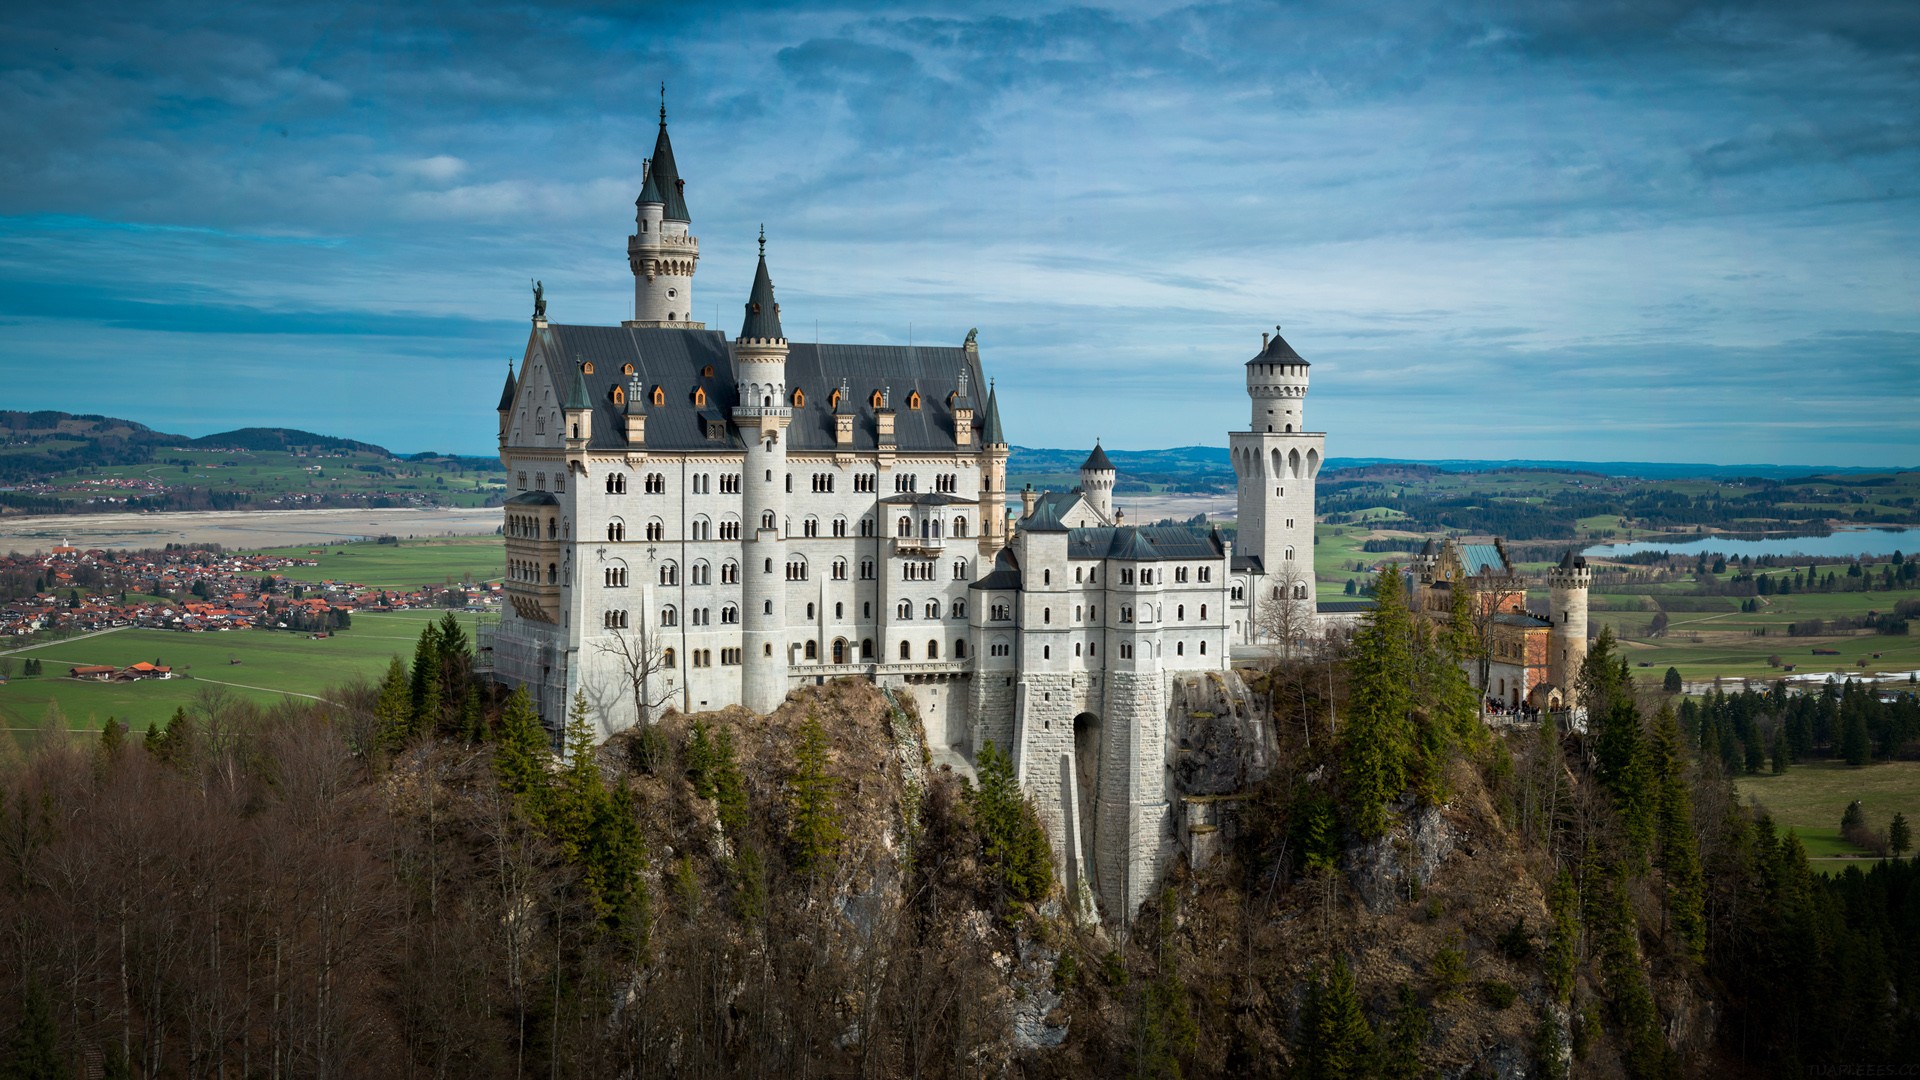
[696,521]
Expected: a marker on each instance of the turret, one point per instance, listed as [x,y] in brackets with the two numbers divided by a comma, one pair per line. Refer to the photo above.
[993,476]
[843,417]
[579,410]
[962,412]
[506,404]
[1277,383]
[662,252]
[1567,586]
[1096,482]
[762,417]
[1277,461]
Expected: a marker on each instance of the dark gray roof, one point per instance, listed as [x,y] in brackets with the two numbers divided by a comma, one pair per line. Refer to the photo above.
[1047,509]
[1145,543]
[534,498]
[1243,564]
[763,315]
[1096,461]
[1005,573]
[990,432]
[1277,352]
[1341,607]
[676,359]
[664,177]
[506,395]
[1570,561]
[1514,618]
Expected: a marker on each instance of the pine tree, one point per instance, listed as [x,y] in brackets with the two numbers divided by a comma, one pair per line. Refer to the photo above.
[113,739]
[815,833]
[1337,1042]
[521,754]
[1013,841]
[1563,936]
[34,1051]
[1899,835]
[1678,851]
[424,688]
[1854,743]
[393,709]
[1400,1044]
[1376,741]
[1672,683]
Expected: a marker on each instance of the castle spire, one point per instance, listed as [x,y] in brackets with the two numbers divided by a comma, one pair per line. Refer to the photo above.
[763,315]
[663,176]
[990,432]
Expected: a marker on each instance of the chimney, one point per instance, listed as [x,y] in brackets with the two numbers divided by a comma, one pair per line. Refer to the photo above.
[1263,341]
[883,420]
[1027,499]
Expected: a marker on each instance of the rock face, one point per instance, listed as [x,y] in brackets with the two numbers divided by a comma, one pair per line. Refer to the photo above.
[1220,751]
[1392,868]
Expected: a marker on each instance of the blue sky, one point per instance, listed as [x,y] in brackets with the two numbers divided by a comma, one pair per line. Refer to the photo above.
[1572,230]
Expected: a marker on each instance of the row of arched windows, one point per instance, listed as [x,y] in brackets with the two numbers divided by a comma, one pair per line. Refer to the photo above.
[522,570]
[904,609]
[527,527]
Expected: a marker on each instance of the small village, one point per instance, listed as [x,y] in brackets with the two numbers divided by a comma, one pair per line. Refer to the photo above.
[69,591]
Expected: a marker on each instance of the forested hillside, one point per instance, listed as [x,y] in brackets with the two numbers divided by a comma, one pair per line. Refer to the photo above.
[411,877]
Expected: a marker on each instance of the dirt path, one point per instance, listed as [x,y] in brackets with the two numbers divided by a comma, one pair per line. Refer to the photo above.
[63,641]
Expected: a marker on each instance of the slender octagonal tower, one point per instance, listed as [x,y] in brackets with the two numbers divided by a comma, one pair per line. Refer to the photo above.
[1277,461]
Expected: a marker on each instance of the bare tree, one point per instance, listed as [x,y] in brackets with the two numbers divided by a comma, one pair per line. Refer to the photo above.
[644,666]
[1288,616]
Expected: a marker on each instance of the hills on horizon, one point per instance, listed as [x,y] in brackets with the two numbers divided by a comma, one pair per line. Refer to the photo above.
[74,440]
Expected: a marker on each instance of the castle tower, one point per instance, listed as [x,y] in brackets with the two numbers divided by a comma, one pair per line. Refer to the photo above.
[993,477]
[762,417]
[1277,461]
[662,252]
[1567,586]
[1096,482]
[507,394]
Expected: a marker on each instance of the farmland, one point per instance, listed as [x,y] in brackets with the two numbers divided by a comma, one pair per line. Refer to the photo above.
[257,664]
[399,566]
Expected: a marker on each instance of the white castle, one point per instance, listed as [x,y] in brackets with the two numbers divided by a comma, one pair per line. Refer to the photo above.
[697,522]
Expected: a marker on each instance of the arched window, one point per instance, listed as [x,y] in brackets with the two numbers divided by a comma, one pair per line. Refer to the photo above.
[1180,613]
[839,569]
[656,529]
[766,519]
[1179,648]
[905,609]
[729,614]
[702,573]
[933,609]
[616,530]
[904,526]
[813,650]
[1203,613]
[866,648]
[616,576]
[906,651]
[960,526]
[933,650]
[669,617]
[669,573]
[913,401]
[659,395]
[810,527]
[1289,554]
[959,569]
[799,400]
[959,648]
[619,395]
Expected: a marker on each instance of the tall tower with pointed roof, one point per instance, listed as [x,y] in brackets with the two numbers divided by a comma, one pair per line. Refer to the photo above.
[662,252]
[763,416]
[1096,482]
[1278,462]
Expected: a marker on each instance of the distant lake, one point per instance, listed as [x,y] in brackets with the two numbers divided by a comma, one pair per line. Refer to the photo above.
[1834,545]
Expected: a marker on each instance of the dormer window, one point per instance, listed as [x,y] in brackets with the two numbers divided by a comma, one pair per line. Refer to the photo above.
[619,395]
[707,372]
[659,395]
[875,400]
[799,398]
[833,399]
[913,401]
[586,367]
[700,397]
[626,369]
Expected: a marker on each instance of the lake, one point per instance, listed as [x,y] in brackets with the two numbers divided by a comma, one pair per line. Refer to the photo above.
[1838,544]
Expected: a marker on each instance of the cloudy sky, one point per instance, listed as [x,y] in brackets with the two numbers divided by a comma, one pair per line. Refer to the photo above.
[1575,230]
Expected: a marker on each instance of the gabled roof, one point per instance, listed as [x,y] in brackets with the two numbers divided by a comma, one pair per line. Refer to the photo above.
[1514,618]
[676,361]
[1005,573]
[763,315]
[1096,461]
[1049,511]
[506,395]
[1277,352]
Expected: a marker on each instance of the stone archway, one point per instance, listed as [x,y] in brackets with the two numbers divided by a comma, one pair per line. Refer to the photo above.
[839,650]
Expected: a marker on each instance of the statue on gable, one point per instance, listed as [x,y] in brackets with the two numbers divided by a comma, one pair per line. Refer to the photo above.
[539,300]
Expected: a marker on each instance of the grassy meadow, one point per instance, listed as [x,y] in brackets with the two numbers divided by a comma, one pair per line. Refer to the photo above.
[1809,799]
[269,474]
[270,665]
[405,565]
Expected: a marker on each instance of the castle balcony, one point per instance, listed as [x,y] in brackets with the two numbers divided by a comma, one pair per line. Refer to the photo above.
[756,412]
[916,670]
[919,545]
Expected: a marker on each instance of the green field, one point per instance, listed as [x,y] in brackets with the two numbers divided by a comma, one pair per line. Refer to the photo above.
[405,565]
[270,666]
[1809,799]
[268,474]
